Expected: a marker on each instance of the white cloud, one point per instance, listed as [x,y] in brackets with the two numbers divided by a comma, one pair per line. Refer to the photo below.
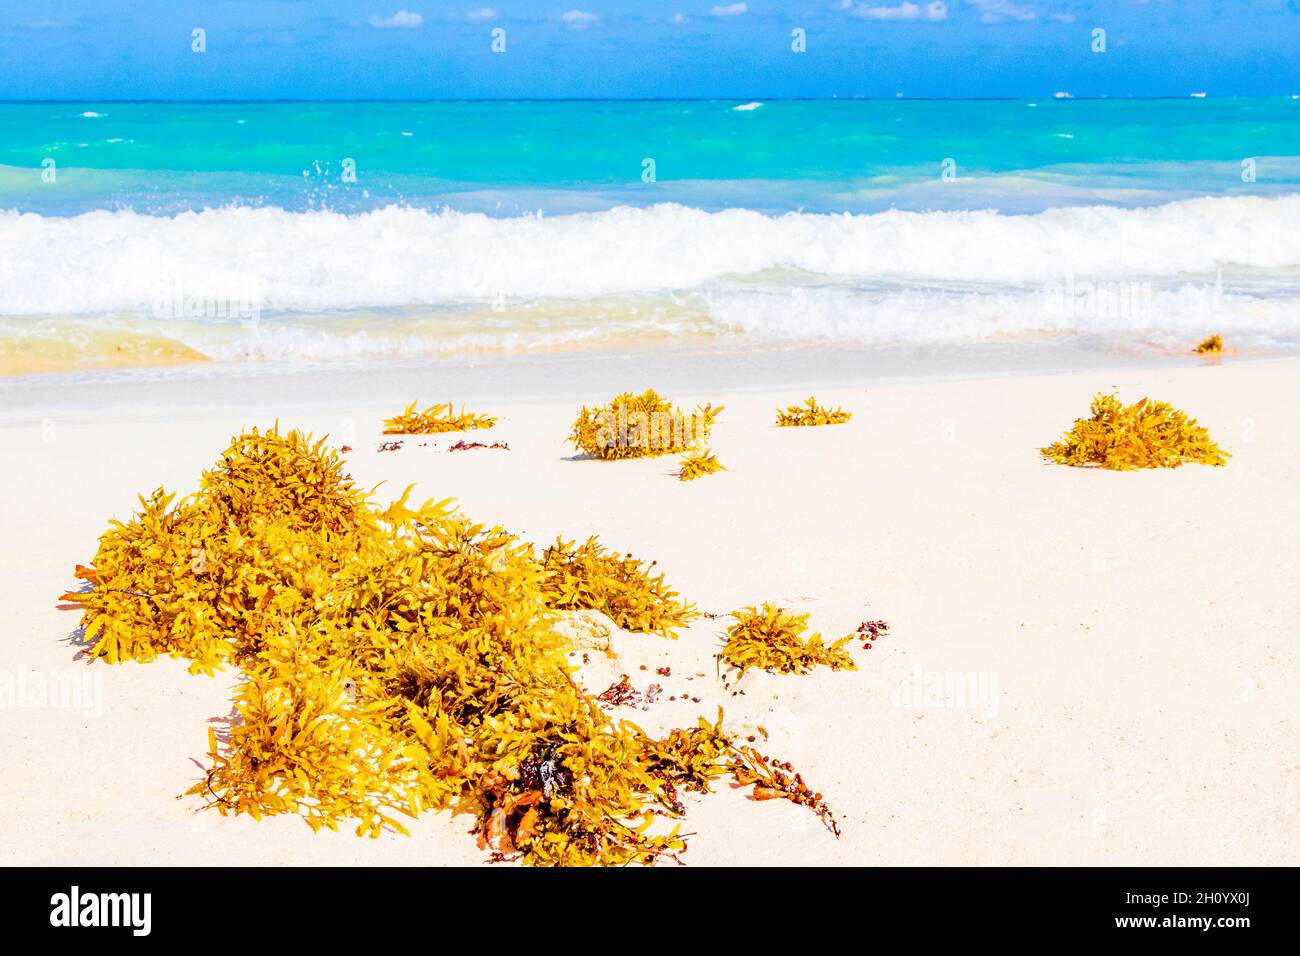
[730,10]
[401,20]
[482,15]
[904,11]
[1062,17]
[680,17]
[933,12]
[578,19]
[1000,11]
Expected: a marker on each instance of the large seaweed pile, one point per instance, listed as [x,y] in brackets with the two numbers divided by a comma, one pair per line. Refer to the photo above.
[590,576]
[1146,434]
[400,660]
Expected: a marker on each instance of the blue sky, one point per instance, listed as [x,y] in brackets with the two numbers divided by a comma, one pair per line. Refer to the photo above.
[410,49]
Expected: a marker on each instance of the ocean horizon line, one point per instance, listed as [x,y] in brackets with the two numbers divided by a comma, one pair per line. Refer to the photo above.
[667,99]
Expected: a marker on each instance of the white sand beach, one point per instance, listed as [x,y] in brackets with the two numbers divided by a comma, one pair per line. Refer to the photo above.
[1084,667]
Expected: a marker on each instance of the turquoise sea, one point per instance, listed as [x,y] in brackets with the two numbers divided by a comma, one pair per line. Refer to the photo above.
[507,158]
[371,231]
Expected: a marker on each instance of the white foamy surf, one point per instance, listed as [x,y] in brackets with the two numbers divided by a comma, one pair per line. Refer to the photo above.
[313,261]
[476,281]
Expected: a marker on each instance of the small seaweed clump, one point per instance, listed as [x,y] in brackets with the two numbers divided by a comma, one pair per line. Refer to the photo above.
[771,638]
[1145,434]
[773,779]
[640,426]
[589,576]
[1212,345]
[810,413]
[435,419]
[698,463]
[869,632]
[397,660]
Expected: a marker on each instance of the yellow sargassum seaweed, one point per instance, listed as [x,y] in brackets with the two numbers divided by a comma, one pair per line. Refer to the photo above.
[398,660]
[1213,344]
[640,426]
[589,576]
[434,419]
[771,638]
[1145,434]
[698,463]
[810,413]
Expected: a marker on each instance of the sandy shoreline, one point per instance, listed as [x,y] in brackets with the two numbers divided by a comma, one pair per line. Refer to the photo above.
[252,391]
[1123,644]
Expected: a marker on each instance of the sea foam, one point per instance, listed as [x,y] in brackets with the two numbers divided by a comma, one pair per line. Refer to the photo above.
[893,275]
[104,261]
